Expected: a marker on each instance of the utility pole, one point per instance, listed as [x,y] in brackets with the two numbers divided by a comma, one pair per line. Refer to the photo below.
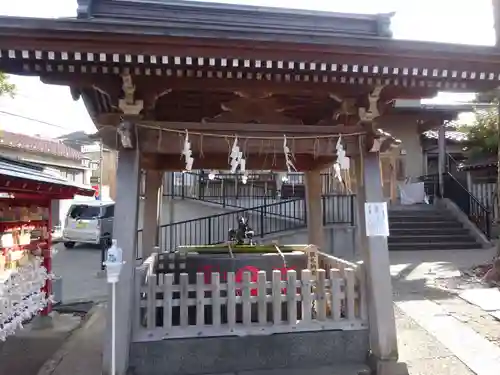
[103,247]
[101,158]
[496,23]
[497,221]
[496,20]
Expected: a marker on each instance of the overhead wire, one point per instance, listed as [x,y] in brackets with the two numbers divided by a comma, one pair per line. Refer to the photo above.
[83,143]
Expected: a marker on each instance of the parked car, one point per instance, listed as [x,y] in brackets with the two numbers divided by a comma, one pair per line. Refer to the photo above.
[89,222]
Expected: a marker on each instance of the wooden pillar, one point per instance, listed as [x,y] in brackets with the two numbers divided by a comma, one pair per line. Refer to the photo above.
[151,219]
[361,238]
[393,176]
[375,255]
[441,158]
[314,208]
[125,232]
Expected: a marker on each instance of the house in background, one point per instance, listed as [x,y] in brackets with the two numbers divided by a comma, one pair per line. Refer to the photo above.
[91,150]
[53,156]
[48,153]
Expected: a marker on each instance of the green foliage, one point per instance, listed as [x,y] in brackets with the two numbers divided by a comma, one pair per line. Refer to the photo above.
[6,88]
[483,134]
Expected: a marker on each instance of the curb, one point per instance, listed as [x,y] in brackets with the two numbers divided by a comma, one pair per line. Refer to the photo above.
[51,364]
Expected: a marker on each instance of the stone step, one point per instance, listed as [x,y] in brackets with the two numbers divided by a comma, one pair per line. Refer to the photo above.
[427,246]
[413,207]
[418,219]
[432,231]
[416,213]
[425,225]
[463,238]
[404,216]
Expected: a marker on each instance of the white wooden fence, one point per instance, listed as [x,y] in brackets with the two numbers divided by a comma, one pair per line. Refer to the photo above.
[319,299]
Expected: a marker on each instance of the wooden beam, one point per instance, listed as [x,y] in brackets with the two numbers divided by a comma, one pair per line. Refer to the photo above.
[172,144]
[270,144]
[219,161]
[113,119]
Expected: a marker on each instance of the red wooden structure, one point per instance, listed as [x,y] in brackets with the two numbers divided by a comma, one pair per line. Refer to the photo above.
[26,194]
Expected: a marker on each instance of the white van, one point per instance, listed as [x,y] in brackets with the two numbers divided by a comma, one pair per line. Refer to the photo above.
[89,222]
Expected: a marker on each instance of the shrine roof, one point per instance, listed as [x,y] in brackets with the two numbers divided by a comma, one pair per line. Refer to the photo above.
[312,47]
[34,180]
[191,19]
[199,18]
[444,111]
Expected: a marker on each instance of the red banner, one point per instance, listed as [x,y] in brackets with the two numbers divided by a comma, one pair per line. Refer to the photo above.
[96,189]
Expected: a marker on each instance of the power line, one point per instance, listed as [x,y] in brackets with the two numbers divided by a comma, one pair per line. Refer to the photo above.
[83,143]
[33,119]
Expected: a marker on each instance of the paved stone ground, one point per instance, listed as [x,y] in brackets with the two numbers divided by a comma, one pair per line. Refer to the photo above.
[421,276]
[433,276]
[26,352]
[417,276]
[19,356]
[78,268]
[82,353]
[422,353]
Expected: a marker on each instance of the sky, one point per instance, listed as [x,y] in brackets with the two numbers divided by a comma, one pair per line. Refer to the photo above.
[453,21]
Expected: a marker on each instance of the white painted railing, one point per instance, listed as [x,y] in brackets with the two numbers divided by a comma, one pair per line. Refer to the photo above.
[315,300]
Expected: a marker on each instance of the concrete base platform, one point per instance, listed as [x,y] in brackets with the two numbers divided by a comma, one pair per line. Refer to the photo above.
[329,370]
[389,368]
[251,354]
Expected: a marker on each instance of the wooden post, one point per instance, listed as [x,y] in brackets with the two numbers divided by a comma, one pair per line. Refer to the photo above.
[314,209]
[151,213]
[125,232]
[497,28]
[375,255]
[394,183]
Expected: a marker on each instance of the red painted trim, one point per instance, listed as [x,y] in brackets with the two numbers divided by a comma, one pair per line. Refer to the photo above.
[47,261]
[54,191]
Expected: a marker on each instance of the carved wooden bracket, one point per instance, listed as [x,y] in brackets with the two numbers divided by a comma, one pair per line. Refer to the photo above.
[129,105]
[253,107]
[126,131]
[343,114]
[368,115]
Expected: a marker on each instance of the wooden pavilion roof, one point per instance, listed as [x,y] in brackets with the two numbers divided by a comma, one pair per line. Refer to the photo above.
[26,178]
[227,69]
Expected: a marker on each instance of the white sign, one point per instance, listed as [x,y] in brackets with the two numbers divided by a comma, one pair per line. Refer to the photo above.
[91,148]
[377,220]
[94,165]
